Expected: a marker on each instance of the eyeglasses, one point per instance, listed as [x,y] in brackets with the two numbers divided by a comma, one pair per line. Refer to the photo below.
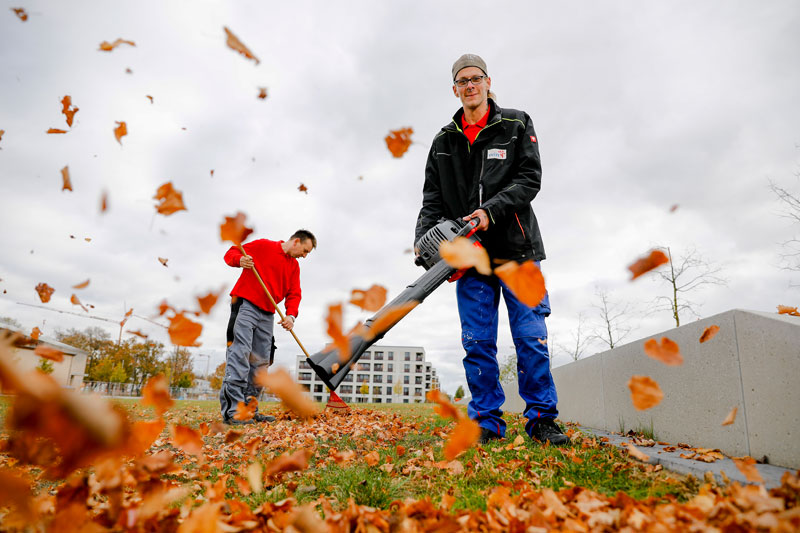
[476,80]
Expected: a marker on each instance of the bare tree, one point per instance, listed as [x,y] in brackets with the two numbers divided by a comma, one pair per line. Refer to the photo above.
[688,273]
[613,327]
[580,340]
[791,204]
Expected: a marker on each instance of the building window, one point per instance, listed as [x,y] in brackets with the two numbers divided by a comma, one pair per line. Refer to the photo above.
[304,364]
[405,380]
[346,389]
[419,369]
[407,356]
[388,400]
[305,376]
[389,378]
[379,356]
[390,367]
[418,392]
[347,399]
[420,356]
[405,391]
[391,356]
[363,366]
[366,356]
[377,400]
[406,368]
[376,391]
[418,380]
[377,367]
[318,388]
[317,398]
[377,378]
[361,378]
[306,387]
[348,378]
[405,400]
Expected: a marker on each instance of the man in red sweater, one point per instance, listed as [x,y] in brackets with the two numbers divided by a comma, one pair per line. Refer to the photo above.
[250,327]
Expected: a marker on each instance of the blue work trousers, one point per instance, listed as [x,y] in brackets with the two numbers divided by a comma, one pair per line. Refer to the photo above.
[478,302]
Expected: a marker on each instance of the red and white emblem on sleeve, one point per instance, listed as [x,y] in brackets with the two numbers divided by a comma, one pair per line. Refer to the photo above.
[533,138]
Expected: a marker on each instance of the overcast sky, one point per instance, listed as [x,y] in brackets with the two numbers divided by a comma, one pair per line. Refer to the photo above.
[637,107]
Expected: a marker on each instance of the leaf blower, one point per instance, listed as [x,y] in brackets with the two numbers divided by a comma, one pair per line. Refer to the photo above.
[329,364]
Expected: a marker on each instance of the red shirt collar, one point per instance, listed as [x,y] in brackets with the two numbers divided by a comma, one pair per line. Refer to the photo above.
[480,124]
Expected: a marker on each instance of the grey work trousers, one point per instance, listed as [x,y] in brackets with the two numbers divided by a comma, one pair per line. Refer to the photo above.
[247,354]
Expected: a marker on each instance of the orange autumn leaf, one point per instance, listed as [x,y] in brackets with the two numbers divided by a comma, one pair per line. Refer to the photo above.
[163,307]
[636,453]
[81,285]
[281,384]
[647,263]
[120,131]
[444,408]
[49,353]
[126,317]
[171,199]
[1,134]
[262,93]
[149,98]
[20,13]
[645,392]
[334,322]
[302,188]
[234,230]
[15,491]
[400,450]
[747,466]
[55,130]
[673,208]
[36,333]
[156,394]
[525,281]
[163,260]
[667,351]
[246,411]
[68,109]
[234,43]
[372,458]
[371,299]
[106,46]
[388,318]
[182,331]
[66,182]
[398,141]
[288,463]
[462,253]
[75,301]
[144,433]
[187,439]
[104,201]
[709,333]
[463,436]
[208,301]
[786,310]
[45,292]
[730,418]
[137,332]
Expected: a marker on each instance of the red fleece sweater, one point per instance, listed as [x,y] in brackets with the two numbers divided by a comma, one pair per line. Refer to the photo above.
[281,275]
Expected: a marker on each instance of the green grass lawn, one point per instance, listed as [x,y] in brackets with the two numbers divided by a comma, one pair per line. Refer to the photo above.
[413,474]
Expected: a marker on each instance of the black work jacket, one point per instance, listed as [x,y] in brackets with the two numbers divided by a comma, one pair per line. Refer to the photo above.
[500,173]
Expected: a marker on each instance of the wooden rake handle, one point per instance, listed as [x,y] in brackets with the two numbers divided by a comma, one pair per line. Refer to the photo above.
[272,300]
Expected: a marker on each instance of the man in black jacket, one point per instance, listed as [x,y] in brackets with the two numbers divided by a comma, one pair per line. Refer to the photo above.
[485,165]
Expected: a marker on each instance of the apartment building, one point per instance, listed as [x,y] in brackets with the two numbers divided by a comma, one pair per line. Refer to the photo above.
[392,374]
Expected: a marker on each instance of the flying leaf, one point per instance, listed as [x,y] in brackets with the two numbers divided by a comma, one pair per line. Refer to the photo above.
[208,301]
[667,352]
[16,491]
[709,333]
[212,172]
[371,299]
[262,93]
[35,333]
[254,473]
[45,292]
[463,436]
[137,332]
[462,253]
[637,453]
[104,201]
[647,263]
[730,418]
[1,134]
[75,301]
[288,463]
[302,188]
[645,392]
[67,184]
[234,43]
[163,260]
[786,310]
[20,12]
[187,439]
[68,109]
[81,285]
[387,318]
[156,393]
[149,98]
[280,383]
[673,208]
[525,281]
[171,199]
[182,331]
[163,307]
[234,230]
[335,331]
[398,141]
[49,353]
[444,408]
[120,131]
[56,130]
[747,466]
[106,46]
[126,317]
[246,410]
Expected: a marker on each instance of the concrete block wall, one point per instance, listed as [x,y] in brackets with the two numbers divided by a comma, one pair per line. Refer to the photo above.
[753,363]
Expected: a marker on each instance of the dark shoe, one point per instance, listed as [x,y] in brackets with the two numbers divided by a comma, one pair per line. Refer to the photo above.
[488,435]
[546,429]
[258,417]
[234,422]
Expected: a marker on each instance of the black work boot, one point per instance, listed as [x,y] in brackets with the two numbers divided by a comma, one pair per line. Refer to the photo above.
[258,417]
[546,429]
[234,422]
[488,435]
